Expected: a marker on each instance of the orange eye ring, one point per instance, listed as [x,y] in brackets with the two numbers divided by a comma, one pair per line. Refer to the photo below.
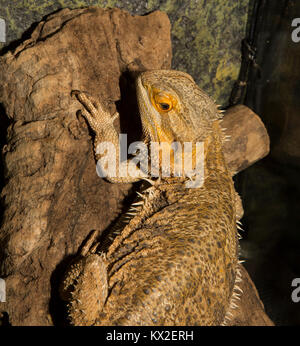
[162,102]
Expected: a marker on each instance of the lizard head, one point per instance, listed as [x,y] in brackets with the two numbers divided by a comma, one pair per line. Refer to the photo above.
[173,108]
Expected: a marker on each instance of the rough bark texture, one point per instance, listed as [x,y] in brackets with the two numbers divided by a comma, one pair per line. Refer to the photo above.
[249,141]
[52,197]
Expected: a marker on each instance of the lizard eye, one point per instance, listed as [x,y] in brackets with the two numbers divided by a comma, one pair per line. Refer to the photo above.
[162,102]
[164,106]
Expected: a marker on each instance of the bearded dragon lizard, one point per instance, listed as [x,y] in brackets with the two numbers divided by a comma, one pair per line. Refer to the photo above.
[175,261]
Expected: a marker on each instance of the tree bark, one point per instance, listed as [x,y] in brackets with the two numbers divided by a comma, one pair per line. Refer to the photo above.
[249,140]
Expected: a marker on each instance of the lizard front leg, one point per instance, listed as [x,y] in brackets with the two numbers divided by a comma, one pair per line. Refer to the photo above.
[101,122]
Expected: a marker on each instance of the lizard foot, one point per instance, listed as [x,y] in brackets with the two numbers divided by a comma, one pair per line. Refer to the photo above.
[85,286]
[96,116]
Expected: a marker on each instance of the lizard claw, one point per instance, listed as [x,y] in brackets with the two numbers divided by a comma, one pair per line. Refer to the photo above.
[75,93]
[94,113]
[89,247]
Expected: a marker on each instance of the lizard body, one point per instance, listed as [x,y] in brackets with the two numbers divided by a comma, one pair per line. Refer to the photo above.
[176,261]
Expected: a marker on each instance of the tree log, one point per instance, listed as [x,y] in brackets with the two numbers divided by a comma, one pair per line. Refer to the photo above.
[249,140]
[52,197]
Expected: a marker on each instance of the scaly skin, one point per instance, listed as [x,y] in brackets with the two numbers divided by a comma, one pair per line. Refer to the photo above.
[176,261]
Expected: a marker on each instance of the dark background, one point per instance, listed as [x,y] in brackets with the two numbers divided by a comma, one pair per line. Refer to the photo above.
[270,189]
[207,43]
